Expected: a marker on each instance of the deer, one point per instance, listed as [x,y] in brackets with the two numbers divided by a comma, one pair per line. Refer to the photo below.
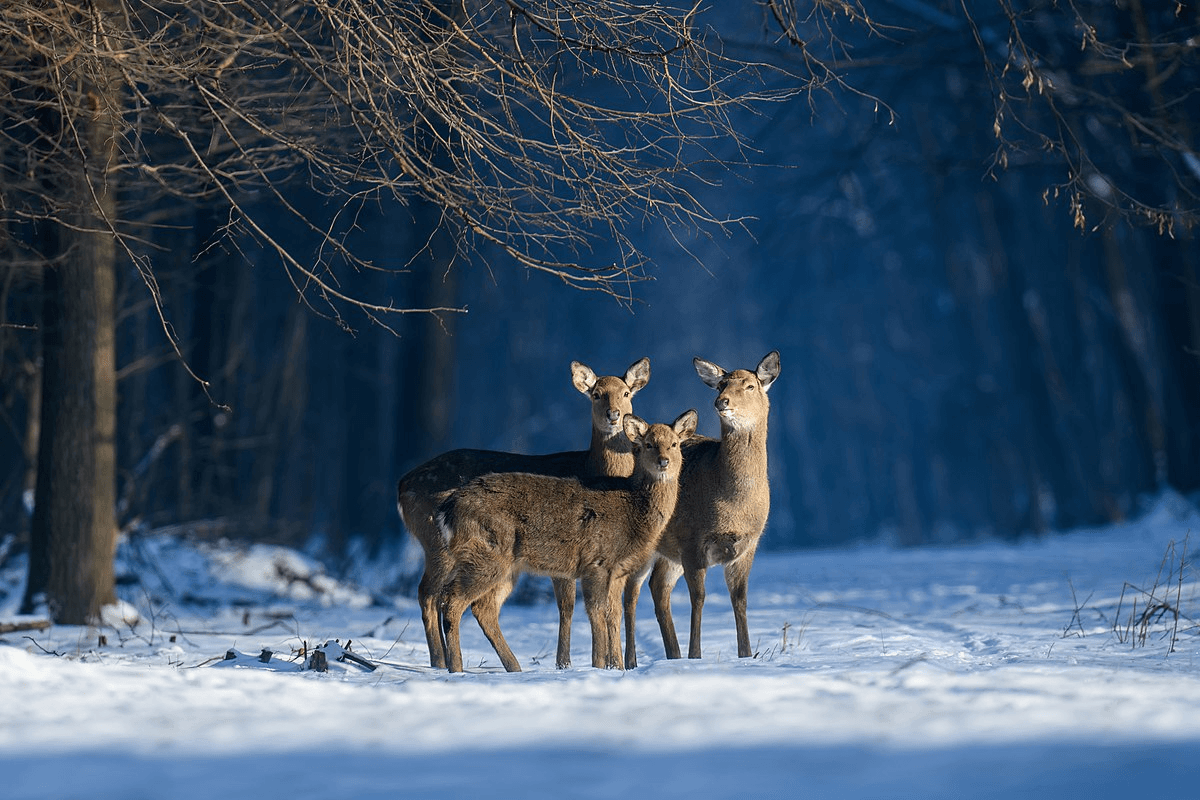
[599,531]
[420,491]
[724,500]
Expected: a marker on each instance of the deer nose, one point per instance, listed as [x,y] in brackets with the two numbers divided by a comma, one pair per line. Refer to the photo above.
[722,403]
[614,415]
[663,463]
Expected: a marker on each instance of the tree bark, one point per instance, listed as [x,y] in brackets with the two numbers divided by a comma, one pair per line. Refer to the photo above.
[73,531]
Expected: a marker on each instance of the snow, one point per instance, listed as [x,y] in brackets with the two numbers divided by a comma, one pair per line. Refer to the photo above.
[983,671]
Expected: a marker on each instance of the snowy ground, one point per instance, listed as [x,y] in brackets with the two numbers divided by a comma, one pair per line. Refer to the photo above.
[982,671]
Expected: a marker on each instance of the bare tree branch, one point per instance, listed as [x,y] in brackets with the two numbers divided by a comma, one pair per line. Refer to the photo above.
[542,129]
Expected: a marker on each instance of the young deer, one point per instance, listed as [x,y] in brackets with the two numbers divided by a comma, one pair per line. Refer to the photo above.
[600,531]
[723,504]
[420,491]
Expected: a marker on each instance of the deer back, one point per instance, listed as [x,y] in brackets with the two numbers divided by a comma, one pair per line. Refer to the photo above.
[561,525]
[420,491]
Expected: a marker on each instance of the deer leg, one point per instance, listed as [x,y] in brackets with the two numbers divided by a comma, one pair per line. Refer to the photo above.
[564,595]
[737,575]
[487,613]
[427,595]
[612,614]
[481,582]
[633,588]
[663,578]
[452,607]
[595,595]
[695,581]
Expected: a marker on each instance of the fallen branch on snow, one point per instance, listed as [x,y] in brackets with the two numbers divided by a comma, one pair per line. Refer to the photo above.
[31,625]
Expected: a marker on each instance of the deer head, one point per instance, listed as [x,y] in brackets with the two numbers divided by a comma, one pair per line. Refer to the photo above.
[656,447]
[612,397]
[741,395]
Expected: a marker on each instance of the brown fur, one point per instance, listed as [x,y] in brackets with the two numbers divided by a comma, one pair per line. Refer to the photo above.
[600,531]
[420,491]
[724,499]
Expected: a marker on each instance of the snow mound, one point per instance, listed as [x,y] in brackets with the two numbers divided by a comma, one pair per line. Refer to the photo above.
[282,572]
[120,615]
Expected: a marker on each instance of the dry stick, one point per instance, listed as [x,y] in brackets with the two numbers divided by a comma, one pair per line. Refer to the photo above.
[1136,629]
[1179,593]
[423,670]
[397,639]
[1116,625]
[1132,617]
[32,625]
[1155,608]
[357,659]
[1076,619]
[39,647]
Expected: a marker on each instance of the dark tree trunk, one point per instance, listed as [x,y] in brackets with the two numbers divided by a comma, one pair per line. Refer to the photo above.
[74,527]
[72,536]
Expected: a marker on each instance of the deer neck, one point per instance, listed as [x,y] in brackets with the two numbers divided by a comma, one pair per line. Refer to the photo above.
[610,456]
[655,499]
[743,452]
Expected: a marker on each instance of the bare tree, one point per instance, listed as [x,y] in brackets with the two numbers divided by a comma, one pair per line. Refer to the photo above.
[1109,89]
[72,207]
[537,129]
[1105,90]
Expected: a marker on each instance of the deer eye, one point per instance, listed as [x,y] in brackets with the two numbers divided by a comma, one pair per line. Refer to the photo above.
[595,395]
[627,393]
[750,387]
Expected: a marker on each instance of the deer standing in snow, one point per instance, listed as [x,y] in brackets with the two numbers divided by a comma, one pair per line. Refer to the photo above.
[600,531]
[724,499]
[420,491]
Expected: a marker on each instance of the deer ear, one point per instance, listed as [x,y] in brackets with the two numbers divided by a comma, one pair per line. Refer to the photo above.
[685,425]
[709,372]
[638,375]
[768,369]
[583,377]
[635,427]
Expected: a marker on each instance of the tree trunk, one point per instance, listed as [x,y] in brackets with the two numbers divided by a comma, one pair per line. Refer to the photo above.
[74,527]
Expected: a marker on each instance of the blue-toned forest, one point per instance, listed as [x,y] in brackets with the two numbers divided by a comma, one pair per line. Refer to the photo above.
[971,238]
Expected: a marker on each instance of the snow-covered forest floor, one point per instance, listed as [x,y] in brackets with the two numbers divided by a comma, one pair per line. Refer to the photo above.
[1056,666]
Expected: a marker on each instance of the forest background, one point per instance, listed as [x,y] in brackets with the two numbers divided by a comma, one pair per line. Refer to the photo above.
[969,229]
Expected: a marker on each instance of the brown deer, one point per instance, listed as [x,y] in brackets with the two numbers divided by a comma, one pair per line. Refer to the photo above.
[724,499]
[420,491]
[600,531]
